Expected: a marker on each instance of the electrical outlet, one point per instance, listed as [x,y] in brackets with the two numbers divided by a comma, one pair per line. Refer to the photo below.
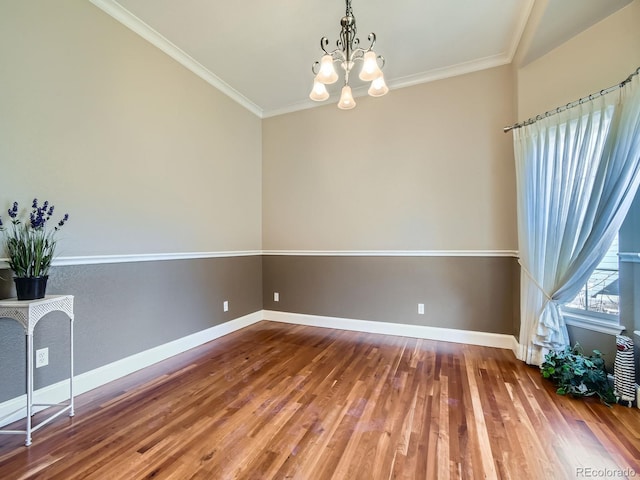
[421,308]
[225,306]
[276,297]
[42,357]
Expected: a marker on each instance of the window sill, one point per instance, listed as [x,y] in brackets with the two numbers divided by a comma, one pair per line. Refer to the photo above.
[629,257]
[592,323]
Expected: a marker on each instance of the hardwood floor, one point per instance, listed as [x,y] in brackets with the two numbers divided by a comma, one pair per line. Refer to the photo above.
[283,401]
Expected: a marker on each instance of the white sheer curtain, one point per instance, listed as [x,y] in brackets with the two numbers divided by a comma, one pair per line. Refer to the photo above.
[577,173]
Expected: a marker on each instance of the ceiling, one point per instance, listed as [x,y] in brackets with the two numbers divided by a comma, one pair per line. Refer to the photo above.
[260,52]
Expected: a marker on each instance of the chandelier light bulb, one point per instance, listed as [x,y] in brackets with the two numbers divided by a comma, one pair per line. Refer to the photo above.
[370,69]
[319,92]
[327,73]
[346,99]
[378,87]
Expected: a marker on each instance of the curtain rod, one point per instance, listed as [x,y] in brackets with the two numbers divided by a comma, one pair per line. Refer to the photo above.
[572,104]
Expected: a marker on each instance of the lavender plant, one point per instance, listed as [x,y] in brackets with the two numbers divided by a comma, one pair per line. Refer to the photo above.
[30,245]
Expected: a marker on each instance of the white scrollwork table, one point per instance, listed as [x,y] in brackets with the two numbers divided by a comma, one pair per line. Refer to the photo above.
[28,313]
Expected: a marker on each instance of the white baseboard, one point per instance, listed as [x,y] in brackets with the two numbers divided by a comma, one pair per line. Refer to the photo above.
[484,339]
[15,408]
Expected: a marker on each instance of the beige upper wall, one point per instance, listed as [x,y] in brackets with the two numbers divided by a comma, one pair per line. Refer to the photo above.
[147,157]
[423,168]
[144,155]
[597,58]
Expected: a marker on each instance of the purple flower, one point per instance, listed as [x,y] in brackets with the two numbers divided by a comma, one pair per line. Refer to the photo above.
[13,212]
[50,212]
[37,218]
[62,222]
[35,203]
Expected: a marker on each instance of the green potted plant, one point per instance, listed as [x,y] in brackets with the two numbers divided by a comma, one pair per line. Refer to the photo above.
[577,374]
[30,246]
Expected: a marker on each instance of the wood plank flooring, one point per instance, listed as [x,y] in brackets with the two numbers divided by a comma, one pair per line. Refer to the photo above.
[278,401]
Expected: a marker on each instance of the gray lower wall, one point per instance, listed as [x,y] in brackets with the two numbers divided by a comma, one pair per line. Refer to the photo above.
[468,293]
[126,308]
[590,341]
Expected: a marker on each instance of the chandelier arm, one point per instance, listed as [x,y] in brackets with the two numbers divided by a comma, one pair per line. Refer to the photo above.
[358,54]
[324,41]
[336,54]
[372,40]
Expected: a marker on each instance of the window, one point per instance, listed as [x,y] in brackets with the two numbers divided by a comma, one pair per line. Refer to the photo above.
[614,282]
[601,293]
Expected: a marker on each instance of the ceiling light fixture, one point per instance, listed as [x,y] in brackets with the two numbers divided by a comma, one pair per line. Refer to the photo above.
[348,51]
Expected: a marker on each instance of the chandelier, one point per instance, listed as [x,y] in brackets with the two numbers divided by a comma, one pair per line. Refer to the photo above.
[348,51]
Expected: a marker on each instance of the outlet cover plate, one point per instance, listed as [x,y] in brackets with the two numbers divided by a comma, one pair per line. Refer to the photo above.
[42,357]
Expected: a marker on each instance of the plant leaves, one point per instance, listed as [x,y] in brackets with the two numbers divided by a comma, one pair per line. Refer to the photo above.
[578,375]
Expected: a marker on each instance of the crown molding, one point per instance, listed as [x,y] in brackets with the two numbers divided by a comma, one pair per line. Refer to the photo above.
[133,23]
[451,71]
[525,29]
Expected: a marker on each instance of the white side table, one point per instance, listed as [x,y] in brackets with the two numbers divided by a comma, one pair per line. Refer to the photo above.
[28,313]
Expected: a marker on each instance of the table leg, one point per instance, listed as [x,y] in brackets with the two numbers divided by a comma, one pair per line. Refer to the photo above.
[71,411]
[29,387]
